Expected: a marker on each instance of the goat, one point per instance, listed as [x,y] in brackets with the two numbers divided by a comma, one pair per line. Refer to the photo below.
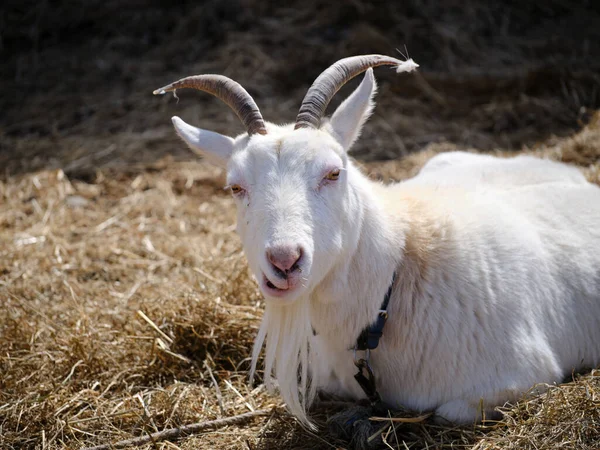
[497,261]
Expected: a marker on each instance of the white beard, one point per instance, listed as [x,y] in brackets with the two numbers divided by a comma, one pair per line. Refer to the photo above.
[288,333]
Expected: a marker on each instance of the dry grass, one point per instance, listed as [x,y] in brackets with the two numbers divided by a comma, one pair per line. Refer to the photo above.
[126,299]
[566,416]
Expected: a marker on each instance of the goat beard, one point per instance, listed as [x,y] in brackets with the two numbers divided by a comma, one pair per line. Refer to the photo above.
[287,332]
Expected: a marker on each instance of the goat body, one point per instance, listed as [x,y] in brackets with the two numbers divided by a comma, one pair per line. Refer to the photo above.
[497,260]
[498,284]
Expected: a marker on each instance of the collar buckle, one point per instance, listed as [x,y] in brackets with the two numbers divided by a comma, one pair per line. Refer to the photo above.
[366,378]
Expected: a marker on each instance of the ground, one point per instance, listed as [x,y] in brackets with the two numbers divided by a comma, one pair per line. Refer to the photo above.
[127,306]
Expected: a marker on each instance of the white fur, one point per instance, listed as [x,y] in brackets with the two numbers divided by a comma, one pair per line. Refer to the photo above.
[214,146]
[498,264]
[348,120]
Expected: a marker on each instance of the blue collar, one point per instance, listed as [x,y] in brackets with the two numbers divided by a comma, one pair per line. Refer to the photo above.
[367,341]
[369,336]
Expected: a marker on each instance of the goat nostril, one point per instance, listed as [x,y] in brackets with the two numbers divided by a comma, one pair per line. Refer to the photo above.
[279,272]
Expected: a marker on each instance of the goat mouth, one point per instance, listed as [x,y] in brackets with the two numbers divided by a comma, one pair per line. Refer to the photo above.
[272,286]
[273,290]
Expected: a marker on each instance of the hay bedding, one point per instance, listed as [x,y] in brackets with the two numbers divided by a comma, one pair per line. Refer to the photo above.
[128,309]
[126,304]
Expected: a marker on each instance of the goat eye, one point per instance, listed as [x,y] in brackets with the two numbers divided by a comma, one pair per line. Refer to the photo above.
[236,189]
[333,175]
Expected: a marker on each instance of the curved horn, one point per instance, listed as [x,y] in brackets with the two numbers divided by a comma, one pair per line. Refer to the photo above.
[329,82]
[230,92]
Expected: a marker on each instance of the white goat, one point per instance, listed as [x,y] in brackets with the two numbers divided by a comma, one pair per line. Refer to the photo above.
[497,260]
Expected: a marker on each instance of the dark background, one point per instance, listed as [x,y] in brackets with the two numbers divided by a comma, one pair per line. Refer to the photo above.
[76,77]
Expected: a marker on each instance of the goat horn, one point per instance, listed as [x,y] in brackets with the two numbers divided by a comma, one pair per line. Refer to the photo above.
[329,82]
[230,92]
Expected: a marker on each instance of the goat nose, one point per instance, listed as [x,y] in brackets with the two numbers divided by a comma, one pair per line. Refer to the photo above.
[284,257]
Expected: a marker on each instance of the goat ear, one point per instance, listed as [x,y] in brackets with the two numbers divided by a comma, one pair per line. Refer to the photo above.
[215,147]
[348,119]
